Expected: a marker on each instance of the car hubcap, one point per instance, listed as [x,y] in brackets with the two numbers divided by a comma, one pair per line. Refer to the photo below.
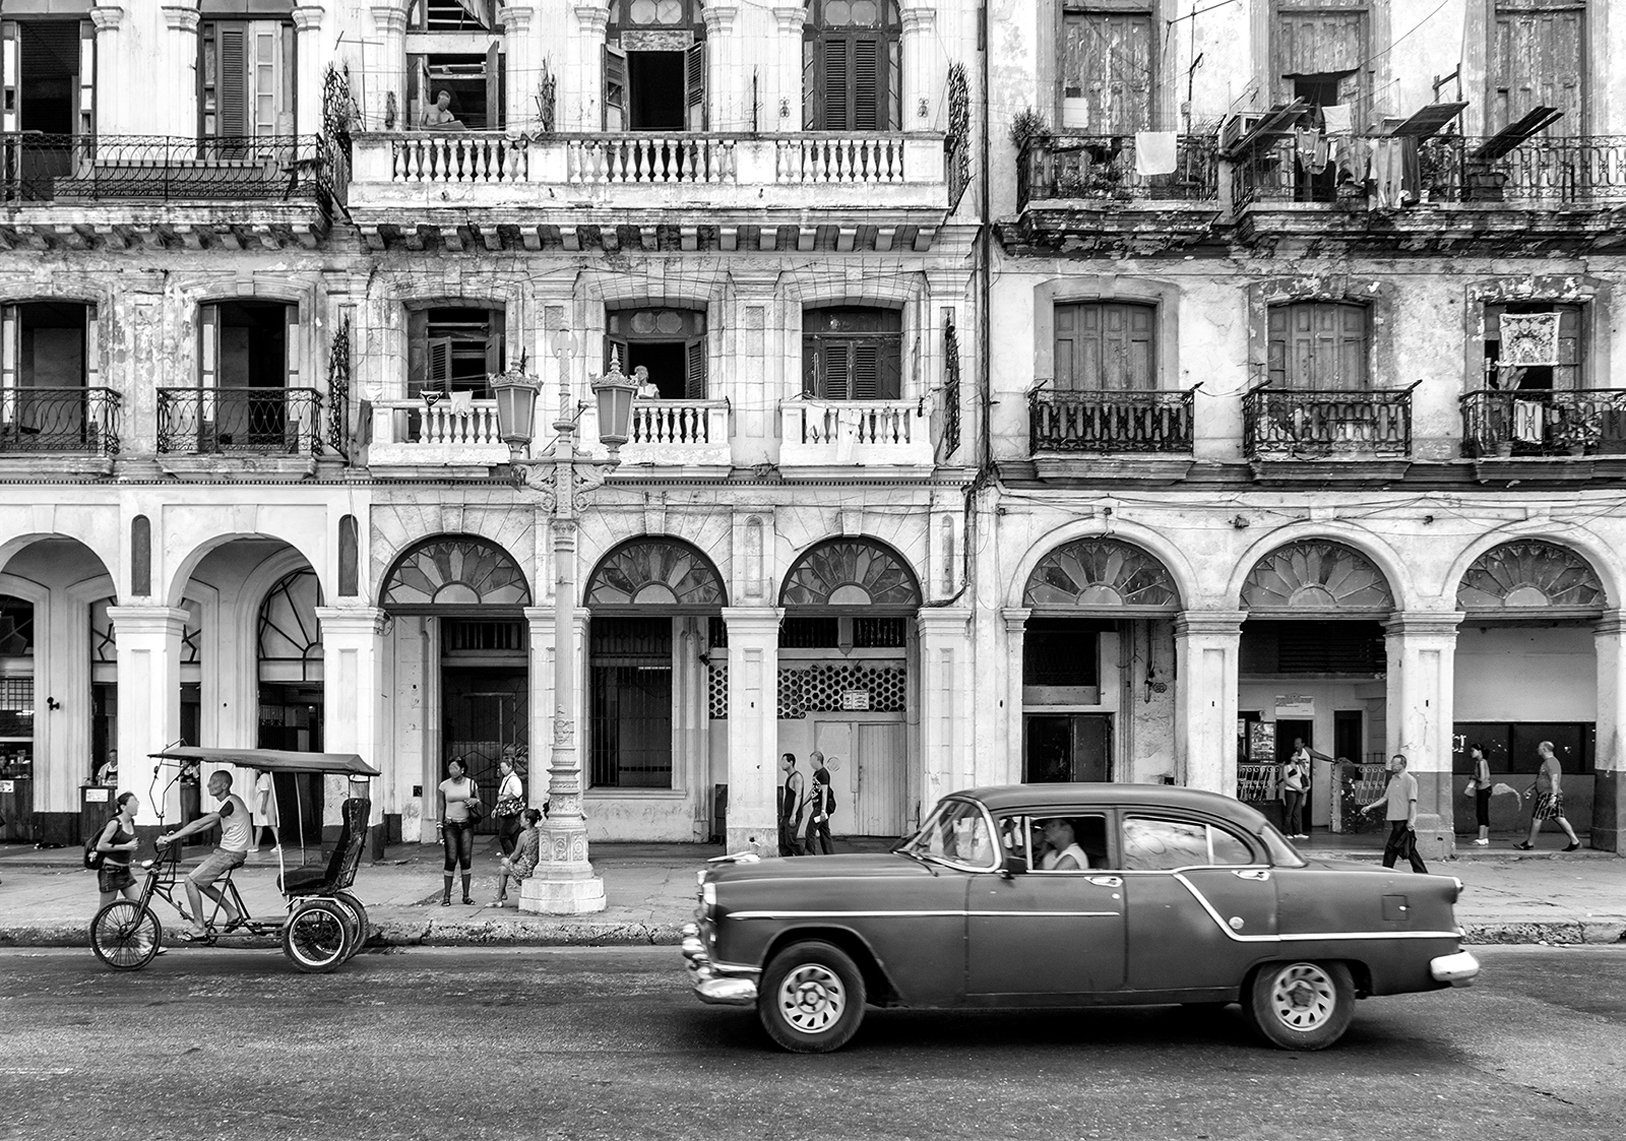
[812,998]
[1303,996]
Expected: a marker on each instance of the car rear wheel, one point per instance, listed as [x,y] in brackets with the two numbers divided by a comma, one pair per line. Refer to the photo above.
[1303,1005]
[812,998]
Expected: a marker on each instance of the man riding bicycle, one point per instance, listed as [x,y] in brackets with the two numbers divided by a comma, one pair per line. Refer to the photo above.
[236,830]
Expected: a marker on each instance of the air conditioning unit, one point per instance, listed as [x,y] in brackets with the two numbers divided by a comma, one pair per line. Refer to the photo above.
[1236,127]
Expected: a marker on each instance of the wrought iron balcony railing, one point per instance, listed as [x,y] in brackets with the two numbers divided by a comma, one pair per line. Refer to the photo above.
[263,421]
[1524,422]
[1285,423]
[1069,166]
[36,167]
[1450,168]
[68,420]
[1102,421]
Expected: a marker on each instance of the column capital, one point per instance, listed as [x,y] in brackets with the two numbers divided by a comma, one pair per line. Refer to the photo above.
[515,16]
[1424,623]
[592,18]
[351,619]
[1209,623]
[182,17]
[791,17]
[719,18]
[1016,617]
[943,619]
[918,20]
[390,17]
[308,17]
[1611,624]
[135,618]
[107,17]
[748,620]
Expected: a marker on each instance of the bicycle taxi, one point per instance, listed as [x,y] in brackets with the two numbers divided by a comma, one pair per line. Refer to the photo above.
[324,924]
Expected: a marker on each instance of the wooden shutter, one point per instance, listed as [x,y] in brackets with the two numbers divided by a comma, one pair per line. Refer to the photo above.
[226,73]
[1105,345]
[812,85]
[812,366]
[868,99]
[836,373]
[10,352]
[866,371]
[1353,374]
[1537,61]
[496,93]
[417,351]
[1320,345]
[615,350]
[889,369]
[1276,353]
[9,63]
[93,349]
[835,83]
[694,379]
[208,346]
[1567,375]
[84,117]
[496,338]
[615,88]
[290,344]
[1105,72]
[1309,42]
[1067,376]
[438,364]
[694,86]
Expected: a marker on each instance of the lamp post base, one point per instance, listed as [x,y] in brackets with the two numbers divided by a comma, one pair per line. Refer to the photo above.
[562,889]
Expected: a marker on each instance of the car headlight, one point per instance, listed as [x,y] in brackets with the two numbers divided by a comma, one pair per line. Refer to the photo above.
[708,899]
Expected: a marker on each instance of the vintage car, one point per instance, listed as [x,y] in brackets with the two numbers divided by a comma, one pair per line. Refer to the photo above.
[1071,895]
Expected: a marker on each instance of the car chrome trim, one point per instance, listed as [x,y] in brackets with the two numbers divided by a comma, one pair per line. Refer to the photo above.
[1315,937]
[731,991]
[949,913]
[1459,969]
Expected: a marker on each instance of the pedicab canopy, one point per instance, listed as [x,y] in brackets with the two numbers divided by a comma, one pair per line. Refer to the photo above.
[273,760]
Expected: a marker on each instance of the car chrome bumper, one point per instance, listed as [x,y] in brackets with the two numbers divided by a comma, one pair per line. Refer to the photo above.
[1458,970]
[718,984]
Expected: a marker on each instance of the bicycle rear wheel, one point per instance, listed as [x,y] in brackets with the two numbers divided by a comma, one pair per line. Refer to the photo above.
[358,920]
[125,935]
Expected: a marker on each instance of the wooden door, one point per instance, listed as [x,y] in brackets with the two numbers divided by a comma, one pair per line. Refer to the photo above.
[1537,59]
[1321,39]
[1104,72]
[1319,345]
[1104,345]
[878,809]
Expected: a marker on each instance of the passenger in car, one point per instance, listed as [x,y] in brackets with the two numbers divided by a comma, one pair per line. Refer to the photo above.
[1064,854]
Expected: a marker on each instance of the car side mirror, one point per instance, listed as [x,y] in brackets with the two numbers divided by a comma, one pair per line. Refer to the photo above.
[1013,867]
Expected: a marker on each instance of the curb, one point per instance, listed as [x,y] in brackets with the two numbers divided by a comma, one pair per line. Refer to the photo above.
[518,933]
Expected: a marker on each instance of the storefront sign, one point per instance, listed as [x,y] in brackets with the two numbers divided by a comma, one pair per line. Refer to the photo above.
[1295,707]
[95,794]
[855,699]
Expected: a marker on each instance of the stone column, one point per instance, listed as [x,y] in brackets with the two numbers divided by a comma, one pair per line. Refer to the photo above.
[353,694]
[311,70]
[581,81]
[385,69]
[540,719]
[110,112]
[1016,620]
[1421,667]
[923,71]
[149,649]
[728,92]
[180,110]
[782,74]
[523,65]
[1206,645]
[753,728]
[1609,781]
[945,702]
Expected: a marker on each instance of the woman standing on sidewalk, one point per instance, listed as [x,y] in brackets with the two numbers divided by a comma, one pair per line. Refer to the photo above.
[1482,792]
[510,804]
[1549,799]
[455,828]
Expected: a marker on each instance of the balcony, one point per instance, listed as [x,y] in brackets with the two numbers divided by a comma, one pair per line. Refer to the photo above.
[1468,189]
[239,422]
[678,433]
[497,191]
[1348,434]
[1080,433]
[1526,424]
[848,434]
[74,421]
[77,191]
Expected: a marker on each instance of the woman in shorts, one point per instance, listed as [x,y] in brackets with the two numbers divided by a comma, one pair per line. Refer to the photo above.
[116,843]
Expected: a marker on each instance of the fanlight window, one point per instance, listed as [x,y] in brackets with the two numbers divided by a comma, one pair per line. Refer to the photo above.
[1101,573]
[850,572]
[290,636]
[1530,575]
[655,572]
[1317,577]
[458,571]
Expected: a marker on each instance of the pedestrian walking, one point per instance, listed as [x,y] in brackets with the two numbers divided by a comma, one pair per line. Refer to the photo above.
[1400,801]
[1479,787]
[510,803]
[822,803]
[266,818]
[116,842]
[456,827]
[521,862]
[792,807]
[1549,799]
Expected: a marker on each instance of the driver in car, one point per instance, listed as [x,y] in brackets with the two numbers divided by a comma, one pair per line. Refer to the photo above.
[235,833]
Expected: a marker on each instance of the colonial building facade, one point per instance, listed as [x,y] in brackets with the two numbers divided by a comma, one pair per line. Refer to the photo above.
[1039,396]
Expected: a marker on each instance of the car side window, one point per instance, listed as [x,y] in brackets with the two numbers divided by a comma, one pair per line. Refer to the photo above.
[1156,845]
[1228,849]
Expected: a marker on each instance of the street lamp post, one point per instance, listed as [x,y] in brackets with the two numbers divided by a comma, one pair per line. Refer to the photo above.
[564,881]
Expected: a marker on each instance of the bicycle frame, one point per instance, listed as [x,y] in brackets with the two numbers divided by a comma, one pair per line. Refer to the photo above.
[163,874]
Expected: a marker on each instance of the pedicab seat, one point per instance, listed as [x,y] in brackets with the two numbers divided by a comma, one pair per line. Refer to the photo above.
[341,865]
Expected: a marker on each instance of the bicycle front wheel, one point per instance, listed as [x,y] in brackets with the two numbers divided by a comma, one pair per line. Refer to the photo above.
[125,935]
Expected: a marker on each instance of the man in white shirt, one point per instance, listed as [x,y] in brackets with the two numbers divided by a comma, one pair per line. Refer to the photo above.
[235,833]
[1400,801]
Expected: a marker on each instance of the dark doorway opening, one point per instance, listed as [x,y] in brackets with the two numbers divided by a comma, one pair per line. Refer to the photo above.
[666,362]
[657,91]
[485,714]
[1068,747]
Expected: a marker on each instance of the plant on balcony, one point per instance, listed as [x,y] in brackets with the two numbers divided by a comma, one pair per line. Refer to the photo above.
[1030,130]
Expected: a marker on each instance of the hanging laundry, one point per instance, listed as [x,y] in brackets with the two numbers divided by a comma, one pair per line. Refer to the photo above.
[1527,421]
[1320,154]
[1397,172]
[1411,171]
[1529,339]
[1338,119]
[1349,155]
[1155,152]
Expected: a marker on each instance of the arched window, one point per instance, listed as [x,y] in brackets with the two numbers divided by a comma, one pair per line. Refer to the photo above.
[1315,576]
[655,572]
[289,634]
[1533,578]
[857,573]
[669,342]
[455,570]
[1101,574]
[851,66]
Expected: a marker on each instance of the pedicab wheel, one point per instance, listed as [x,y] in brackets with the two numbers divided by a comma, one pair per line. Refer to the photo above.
[812,998]
[1301,1006]
[125,935]
[358,920]
[318,936]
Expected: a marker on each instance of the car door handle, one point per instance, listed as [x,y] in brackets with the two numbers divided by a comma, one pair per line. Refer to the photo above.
[1107,881]
[1258,874]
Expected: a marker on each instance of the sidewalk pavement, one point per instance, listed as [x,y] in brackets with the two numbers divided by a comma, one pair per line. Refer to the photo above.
[47,898]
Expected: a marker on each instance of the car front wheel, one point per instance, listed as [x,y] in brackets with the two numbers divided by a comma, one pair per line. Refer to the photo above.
[1301,1006]
[812,998]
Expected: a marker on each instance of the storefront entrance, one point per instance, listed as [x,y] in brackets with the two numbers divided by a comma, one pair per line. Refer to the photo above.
[868,769]
[1069,747]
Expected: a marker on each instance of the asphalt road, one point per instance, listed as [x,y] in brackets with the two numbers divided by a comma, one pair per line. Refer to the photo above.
[589,1043]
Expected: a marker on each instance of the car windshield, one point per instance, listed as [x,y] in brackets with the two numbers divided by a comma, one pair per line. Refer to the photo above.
[1282,854]
[955,833]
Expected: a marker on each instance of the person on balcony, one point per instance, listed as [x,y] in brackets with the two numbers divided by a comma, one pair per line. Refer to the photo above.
[647,389]
[440,117]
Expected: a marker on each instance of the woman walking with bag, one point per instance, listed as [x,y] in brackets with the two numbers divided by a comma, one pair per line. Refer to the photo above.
[821,803]
[1480,787]
[115,844]
[459,810]
[518,865]
[510,803]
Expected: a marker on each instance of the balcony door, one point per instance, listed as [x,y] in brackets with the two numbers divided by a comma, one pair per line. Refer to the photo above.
[1320,345]
[851,66]
[46,372]
[248,373]
[246,85]
[655,66]
[1105,346]
[852,354]
[455,67]
[48,70]
[1537,59]
[1104,68]
[669,344]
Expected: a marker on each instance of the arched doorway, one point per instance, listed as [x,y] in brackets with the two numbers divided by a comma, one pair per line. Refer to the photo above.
[1097,663]
[852,66]
[655,604]
[458,634]
[1526,672]
[845,649]
[1313,666]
